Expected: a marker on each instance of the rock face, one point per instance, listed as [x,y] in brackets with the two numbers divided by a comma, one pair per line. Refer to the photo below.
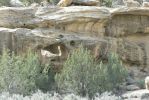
[101,30]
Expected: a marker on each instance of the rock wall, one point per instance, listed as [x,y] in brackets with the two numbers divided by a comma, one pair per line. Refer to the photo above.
[101,30]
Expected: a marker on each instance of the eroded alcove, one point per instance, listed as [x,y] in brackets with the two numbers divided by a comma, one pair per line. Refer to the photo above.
[54,49]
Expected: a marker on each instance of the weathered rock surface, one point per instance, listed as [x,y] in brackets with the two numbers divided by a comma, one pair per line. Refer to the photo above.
[136,95]
[132,87]
[102,30]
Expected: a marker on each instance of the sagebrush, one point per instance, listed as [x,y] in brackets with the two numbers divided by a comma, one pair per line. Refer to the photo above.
[26,2]
[4,2]
[23,73]
[18,73]
[107,3]
[83,76]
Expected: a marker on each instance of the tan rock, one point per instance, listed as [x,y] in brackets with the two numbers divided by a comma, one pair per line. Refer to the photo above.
[64,3]
[103,30]
[49,40]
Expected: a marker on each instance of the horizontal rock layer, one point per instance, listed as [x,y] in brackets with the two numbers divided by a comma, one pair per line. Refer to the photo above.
[102,30]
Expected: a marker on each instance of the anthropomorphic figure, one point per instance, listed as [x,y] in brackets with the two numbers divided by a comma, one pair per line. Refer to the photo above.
[48,54]
[47,57]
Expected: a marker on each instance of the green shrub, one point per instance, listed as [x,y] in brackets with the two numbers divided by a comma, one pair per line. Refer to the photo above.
[46,81]
[141,83]
[18,74]
[54,1]
[28,2]
[76,72]
[24,74]
[107,3]
[4,2]
[116,72]
[83,76]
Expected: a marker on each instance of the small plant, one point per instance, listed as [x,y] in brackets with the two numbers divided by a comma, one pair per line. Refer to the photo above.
[107,3]
[4,2]
[23,74]
[54,1]
[116,72]
[141,83]
[83,76]
[28,2]
[46,81]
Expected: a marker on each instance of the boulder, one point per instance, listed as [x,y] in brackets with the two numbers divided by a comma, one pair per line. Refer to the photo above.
[132,87]
[130,80]
[136,95]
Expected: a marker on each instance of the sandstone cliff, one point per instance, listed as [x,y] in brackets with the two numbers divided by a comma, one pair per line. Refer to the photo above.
[102,30]
[122,30]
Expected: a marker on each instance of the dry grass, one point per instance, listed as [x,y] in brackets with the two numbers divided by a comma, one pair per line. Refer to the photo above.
[46,96]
